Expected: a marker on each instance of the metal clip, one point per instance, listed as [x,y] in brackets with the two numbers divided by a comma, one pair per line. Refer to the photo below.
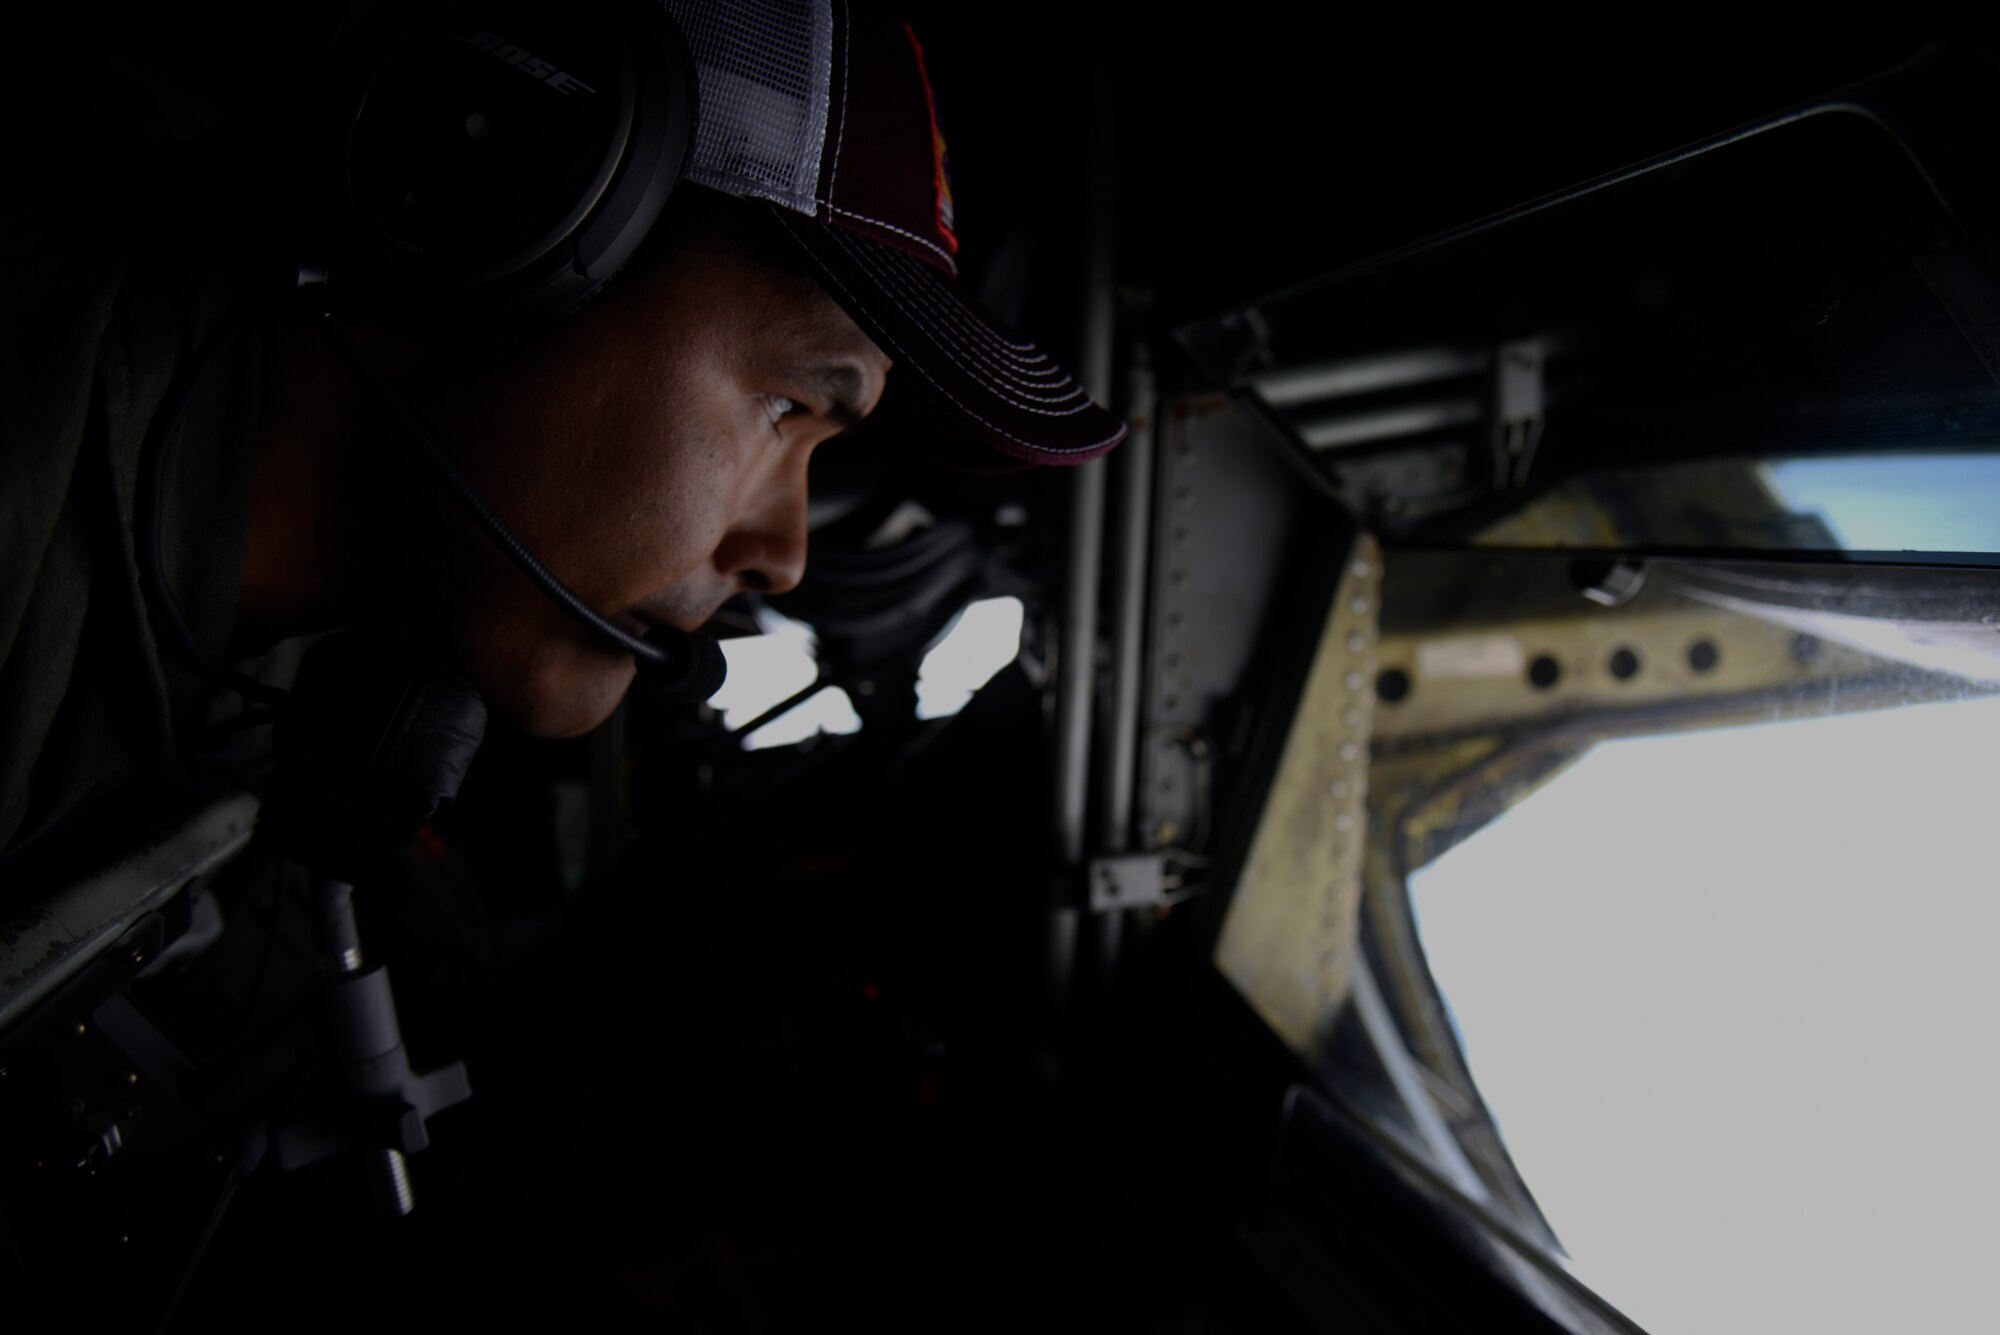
[1143,880]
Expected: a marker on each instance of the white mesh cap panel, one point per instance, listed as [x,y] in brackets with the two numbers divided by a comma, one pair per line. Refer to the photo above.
[763,68]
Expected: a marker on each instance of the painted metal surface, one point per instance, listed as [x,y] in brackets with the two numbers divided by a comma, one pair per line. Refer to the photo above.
[45,940]
[1288,942]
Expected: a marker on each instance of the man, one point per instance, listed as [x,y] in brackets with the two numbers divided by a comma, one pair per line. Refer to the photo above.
[651,448]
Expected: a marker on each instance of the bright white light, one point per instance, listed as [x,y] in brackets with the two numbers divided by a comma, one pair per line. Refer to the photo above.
[828,711]
[769,668]
[765,669]
[981,640]
[1729,996]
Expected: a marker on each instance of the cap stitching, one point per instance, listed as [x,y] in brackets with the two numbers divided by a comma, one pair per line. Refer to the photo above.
[935,311]
[1075,390]
[1003,354]
[1096,446]
[993,336]
[940,251]
[961,405]
[996,347]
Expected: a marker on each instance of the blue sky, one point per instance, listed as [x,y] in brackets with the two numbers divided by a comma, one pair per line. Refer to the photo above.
[1927,503]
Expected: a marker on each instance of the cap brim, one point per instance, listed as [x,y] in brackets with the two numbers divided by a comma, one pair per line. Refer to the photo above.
[982,382]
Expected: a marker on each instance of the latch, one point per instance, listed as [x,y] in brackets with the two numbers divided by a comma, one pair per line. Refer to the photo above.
[1143,880]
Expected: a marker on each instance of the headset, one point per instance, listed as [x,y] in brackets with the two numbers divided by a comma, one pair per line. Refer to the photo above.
[500,162]
[502,159]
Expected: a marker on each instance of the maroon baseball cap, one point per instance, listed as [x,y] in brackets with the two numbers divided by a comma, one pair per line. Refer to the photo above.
[824,109]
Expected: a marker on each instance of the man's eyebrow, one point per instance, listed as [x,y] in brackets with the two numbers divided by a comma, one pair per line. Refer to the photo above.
[839,386]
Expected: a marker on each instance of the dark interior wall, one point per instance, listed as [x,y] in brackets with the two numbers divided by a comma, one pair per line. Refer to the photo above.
[1261,143]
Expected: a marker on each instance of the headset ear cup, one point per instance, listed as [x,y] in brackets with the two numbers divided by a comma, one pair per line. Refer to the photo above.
[503,159]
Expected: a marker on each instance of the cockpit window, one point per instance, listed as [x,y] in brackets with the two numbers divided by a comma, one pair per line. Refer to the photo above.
[1667,903]
[1718,990]
[1885,506]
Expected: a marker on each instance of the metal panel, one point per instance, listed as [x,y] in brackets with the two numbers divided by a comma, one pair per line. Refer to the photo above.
[1288,942]
[45,940]
[1228,510]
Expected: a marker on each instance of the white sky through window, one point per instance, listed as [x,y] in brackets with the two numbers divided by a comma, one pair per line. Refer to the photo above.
[772,667]
[985,638]
[1730,996]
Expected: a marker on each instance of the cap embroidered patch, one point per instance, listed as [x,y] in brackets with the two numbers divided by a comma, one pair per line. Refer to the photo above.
[940,163]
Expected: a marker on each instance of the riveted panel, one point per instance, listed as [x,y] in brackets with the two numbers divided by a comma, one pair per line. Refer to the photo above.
[1288,941]
[1228,510]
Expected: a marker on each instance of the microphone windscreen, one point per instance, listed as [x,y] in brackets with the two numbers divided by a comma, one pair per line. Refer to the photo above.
[709,668]
[694,668]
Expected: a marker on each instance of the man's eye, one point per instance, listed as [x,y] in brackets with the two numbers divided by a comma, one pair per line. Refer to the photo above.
[777,407]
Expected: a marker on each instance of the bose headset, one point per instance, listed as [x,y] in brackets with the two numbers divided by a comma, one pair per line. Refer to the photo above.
[499,162]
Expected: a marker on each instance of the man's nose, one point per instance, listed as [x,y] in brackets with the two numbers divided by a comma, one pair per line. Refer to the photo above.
[766,551]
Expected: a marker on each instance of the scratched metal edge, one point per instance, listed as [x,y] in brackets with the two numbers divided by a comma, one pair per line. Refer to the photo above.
[44,942]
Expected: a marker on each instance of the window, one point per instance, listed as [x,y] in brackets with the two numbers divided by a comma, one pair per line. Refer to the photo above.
[1671,920]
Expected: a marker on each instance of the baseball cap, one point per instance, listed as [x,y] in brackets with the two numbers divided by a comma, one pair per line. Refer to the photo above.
[824,111]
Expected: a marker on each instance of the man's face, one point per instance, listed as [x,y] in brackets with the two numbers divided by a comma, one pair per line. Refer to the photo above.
[652,452]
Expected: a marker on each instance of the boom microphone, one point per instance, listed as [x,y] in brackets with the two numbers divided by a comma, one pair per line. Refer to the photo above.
[690,667]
